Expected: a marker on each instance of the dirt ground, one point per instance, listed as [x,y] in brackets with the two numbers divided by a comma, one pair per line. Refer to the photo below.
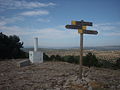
[56,76]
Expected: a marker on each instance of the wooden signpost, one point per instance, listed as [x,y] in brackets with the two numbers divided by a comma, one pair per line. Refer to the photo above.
[81,26]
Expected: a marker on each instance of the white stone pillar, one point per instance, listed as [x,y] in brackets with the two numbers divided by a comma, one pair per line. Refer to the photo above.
[35,44]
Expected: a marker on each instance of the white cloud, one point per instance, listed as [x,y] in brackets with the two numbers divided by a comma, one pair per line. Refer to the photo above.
[23,4]
[13,30]
[107,29]
[57,36]
[34,13]
[112,34]
[104,27]
[47,36]
[4,21]
[53,33]
[45,33]
[107,26]
[43,20]
[58,32]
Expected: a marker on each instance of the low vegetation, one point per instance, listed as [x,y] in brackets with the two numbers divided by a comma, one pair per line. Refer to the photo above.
[89,60]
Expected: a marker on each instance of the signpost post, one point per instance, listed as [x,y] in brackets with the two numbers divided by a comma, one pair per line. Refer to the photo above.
[81,26]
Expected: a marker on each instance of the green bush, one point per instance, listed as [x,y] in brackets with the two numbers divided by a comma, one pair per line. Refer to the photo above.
[106,64]
[52,58]
[117,64]
[90,60]
[76,59]
[46,57]
[58,58]
[71,59]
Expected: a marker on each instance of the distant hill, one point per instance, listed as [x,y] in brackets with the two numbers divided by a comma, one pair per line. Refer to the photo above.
[99,48]
[104,48]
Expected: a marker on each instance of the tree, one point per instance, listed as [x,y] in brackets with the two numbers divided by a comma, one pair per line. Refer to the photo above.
[10,47]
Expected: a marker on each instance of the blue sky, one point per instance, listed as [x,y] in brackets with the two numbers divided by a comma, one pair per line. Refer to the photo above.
[46,19]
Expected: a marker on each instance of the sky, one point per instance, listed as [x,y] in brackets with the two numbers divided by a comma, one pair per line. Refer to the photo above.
[46,19]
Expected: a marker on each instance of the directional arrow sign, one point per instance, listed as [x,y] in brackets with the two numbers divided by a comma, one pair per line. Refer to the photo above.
[73,27]
[81,23]
[90,32]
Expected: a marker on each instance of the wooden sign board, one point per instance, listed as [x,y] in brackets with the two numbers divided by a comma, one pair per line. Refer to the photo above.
[81,23]
[73,27]
[88,32]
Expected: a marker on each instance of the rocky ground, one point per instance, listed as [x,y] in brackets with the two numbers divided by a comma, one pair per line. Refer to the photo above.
[56,76]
